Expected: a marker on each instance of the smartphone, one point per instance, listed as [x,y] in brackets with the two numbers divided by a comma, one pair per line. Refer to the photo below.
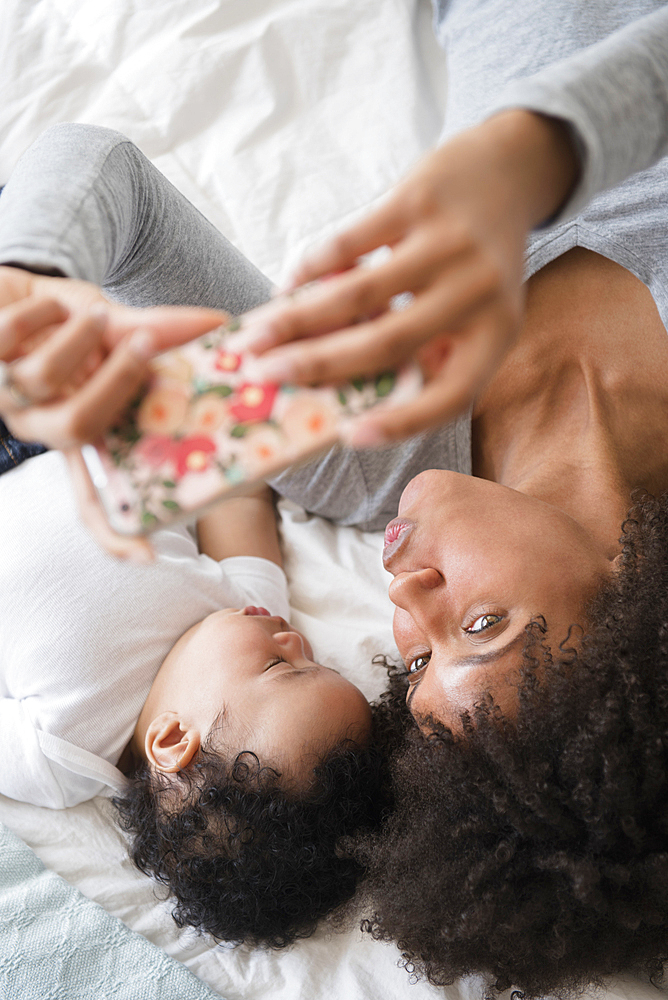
[202,427]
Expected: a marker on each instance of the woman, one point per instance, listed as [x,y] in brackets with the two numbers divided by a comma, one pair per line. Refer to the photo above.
[558,454]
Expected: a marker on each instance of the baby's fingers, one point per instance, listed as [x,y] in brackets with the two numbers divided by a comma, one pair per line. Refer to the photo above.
[49,368]
[170,326]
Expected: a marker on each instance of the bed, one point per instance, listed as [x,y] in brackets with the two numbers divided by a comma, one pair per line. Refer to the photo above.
[281,120]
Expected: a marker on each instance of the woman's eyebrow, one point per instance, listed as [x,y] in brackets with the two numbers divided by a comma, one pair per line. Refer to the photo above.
[492,654]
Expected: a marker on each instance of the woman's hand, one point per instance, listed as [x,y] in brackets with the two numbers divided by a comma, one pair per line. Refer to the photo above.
[77,359]
[457,227]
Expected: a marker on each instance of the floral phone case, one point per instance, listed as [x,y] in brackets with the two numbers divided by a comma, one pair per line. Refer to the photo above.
[203,427]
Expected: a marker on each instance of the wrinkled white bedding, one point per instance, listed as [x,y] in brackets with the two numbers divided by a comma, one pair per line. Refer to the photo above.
[277,118]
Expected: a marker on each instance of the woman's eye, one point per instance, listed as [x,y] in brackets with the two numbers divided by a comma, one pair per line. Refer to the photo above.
[418,663]
[482,623]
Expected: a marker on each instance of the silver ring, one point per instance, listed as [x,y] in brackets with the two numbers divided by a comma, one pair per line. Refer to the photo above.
[19,399]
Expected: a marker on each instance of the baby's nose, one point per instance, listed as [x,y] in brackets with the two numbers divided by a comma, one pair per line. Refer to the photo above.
[288,638]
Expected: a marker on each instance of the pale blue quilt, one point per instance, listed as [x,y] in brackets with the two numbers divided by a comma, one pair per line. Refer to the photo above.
[57,945]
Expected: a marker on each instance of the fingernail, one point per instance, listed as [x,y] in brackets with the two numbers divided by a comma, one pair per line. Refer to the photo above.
[254,339]
[142,344]
[271,369]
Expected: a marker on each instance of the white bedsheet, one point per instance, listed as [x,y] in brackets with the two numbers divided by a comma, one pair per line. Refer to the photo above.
[280,120]
[277,118]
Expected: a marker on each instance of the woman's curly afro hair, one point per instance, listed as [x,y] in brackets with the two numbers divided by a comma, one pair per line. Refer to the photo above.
[247,858]
[534,850]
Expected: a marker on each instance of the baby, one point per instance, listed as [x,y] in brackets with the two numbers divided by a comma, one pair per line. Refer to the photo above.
[237,761]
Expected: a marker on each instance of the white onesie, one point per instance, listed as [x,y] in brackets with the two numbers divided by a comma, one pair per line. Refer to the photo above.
[82,635]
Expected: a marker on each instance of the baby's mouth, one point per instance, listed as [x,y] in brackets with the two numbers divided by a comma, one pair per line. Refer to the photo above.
[252,610]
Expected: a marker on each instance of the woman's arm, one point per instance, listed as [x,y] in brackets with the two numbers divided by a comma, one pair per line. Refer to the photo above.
[614,98]
[242,526]
[458,224]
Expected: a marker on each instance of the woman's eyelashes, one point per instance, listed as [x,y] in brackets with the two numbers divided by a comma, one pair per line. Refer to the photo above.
[418,663]
[482,623]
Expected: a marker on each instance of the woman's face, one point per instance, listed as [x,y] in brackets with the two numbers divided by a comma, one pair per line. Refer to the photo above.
[473,562]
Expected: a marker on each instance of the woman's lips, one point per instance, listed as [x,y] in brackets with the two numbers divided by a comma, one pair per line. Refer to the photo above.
[396,534]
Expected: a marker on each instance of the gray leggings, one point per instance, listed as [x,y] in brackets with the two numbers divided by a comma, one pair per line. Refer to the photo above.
[85,203]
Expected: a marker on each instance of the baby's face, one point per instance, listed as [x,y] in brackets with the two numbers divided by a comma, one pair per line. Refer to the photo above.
[259,673]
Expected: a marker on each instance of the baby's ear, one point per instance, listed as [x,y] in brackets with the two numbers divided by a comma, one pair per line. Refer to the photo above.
[170,745]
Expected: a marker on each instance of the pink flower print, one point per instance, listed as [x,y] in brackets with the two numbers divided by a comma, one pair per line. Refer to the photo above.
[157,449]
[309,421]
[207,413]
[163,410]
[197,488]
[227,361]
[253,402]
[263,450]
[193,454]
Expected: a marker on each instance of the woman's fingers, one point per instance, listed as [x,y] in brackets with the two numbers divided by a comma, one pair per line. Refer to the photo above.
[391,338]
[170,326]
[440,263]
[471,360]
[49,368]
[382,227]
[85,414]
[352,296]
[345,300]
[21,320]
[135,549]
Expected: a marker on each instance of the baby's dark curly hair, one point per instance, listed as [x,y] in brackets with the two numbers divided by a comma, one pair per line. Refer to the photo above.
[247,857]
[534,850]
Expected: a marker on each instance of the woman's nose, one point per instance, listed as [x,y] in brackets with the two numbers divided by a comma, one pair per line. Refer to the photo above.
[410,586]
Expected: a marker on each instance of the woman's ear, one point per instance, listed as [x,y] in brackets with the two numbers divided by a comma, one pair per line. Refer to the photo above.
[170,745]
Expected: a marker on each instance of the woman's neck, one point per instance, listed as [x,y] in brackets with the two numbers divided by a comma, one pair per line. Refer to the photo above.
[578,414]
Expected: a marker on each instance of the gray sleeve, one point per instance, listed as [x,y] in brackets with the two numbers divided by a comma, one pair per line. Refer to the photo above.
[85,201]
[614,95]
[363,488]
